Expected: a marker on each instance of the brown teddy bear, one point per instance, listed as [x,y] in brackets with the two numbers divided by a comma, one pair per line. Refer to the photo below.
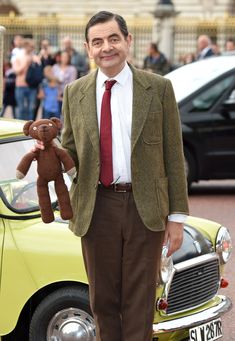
[49,167]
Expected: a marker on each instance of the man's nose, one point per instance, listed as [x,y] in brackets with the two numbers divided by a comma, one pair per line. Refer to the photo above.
[107,46]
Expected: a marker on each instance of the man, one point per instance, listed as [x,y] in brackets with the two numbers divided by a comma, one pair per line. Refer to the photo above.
[77,59]
[156,61]
[230,45]
[204,47]
[130,178]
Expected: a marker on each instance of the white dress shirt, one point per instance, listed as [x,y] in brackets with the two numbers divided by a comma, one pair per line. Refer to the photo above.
[121,125]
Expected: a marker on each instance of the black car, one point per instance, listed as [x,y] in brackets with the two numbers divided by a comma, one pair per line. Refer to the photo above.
[205,92]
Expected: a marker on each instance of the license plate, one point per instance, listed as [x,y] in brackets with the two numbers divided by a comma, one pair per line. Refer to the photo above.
[206,332]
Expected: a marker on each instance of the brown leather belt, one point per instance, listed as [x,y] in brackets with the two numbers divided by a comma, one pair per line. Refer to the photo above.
[119,187]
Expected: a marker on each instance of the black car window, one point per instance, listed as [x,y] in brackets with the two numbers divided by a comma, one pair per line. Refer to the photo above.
[20,195]
[206,99]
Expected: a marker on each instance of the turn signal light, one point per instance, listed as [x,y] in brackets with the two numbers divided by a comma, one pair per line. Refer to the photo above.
[223,283]
[162,304]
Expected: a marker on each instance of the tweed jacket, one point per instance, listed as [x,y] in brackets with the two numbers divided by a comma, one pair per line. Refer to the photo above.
[157,163]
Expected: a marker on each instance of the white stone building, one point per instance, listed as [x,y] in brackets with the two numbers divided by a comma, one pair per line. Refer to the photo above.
[176,35]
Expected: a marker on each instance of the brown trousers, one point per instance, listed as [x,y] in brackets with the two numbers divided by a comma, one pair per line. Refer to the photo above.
[122,260]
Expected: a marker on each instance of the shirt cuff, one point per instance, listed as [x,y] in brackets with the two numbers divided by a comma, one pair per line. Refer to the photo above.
[177,218]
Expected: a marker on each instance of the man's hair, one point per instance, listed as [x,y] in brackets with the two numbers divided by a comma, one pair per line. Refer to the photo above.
[103,17]
[154,46]
[231,40]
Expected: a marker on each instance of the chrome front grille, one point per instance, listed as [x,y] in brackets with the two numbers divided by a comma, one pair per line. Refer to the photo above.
[193,285]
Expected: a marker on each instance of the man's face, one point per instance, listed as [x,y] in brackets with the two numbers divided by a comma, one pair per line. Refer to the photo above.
[108,47]
[230,46]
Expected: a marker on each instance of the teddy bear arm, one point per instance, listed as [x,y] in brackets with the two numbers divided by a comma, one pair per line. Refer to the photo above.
[65,158]
[25,164]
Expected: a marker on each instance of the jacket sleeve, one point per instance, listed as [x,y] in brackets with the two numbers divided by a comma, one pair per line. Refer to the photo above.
[68,141]
[173,153]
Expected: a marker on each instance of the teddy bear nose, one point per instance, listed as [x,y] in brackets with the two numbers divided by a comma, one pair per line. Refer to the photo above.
[44,127]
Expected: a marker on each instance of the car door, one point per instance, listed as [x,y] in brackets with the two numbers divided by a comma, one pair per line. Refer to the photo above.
[223,160]
[205,126]
[2,232]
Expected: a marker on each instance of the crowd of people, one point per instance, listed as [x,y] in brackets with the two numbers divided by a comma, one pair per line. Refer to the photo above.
[37,78]
[157,62]
[34,78]
[207,48]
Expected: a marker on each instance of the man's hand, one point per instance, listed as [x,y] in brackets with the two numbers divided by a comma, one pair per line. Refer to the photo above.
[173,236]
[38,145]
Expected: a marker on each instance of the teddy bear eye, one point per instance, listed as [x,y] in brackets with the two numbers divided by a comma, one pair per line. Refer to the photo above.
[34,128]
[50,124]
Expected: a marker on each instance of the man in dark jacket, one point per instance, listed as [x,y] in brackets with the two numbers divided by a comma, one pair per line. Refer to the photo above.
[156,61]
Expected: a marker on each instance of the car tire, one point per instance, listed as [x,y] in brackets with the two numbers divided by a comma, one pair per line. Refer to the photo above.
[190,167]
[63,315]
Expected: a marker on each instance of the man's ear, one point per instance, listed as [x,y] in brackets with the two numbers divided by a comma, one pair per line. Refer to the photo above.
[87,47]
[26,127]
[57,122]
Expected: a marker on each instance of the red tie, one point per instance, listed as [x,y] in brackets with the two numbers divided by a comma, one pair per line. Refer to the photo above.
[106,171]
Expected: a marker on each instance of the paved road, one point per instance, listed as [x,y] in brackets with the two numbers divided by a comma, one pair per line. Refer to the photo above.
[215,200]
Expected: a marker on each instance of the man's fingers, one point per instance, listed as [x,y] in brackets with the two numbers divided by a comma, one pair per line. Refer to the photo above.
[174,245]
[173,236]
[166,238]
[39,145]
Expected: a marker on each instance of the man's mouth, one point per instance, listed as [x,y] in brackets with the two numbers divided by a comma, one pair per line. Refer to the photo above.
[108,57]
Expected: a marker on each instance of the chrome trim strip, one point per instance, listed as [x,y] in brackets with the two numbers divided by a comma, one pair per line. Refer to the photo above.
[195,261]
[195,319]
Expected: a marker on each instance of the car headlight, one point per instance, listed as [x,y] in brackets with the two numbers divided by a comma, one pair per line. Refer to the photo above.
[223,244]
[167,266]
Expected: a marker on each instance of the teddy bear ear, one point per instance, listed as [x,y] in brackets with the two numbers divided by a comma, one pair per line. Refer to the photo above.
[26,127]
[57,122]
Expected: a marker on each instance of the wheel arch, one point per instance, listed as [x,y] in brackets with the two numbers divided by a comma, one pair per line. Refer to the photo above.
[28,309]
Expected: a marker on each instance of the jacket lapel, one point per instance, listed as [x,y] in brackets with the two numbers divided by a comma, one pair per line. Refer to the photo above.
[142,97]
[88,106]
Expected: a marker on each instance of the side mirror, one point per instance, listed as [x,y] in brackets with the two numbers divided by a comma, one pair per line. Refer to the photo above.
[229,104]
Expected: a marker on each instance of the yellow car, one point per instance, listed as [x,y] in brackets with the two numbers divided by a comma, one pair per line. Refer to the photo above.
[43,284]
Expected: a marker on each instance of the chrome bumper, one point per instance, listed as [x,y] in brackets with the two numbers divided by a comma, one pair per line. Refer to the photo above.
[193,320]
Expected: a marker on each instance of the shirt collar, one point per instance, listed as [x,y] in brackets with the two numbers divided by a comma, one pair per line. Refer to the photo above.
[121,78]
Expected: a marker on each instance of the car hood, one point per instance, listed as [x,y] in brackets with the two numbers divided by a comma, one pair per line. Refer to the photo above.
[194,244]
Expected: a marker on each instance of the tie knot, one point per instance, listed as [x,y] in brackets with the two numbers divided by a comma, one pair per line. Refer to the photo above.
[109,84]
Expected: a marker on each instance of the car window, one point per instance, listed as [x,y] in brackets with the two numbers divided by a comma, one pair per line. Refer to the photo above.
[191,77]
[206,99]
[20,195]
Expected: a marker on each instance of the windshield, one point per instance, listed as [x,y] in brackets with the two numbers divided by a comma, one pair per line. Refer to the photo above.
[20,195]
[189,78]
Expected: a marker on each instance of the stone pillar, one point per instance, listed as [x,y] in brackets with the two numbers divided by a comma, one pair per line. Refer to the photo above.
[2,30]
[163,30]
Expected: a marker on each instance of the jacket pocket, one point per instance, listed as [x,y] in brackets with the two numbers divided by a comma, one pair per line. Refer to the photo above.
[162,197]
[152,132]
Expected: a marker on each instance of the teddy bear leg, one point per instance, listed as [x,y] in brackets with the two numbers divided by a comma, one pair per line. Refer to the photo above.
[63,198]
[44,201]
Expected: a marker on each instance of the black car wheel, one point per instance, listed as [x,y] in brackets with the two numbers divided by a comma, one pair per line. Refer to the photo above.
[63,315]
[190,166]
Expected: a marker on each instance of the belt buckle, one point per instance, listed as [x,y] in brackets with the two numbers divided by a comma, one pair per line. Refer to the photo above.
[119,190]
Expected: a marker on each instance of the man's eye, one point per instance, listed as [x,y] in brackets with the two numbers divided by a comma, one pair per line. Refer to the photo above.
[96,43]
